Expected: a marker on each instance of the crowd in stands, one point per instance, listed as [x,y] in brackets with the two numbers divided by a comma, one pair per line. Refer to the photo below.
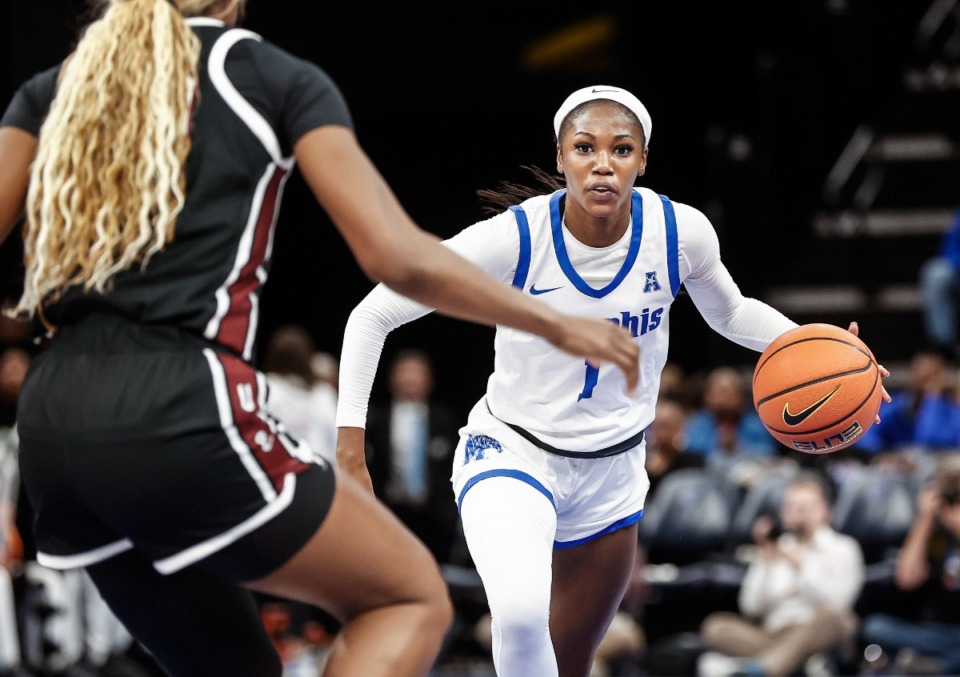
[752,559]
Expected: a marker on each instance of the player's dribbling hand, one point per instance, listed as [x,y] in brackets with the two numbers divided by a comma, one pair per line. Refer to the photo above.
[854,329]
[599,342]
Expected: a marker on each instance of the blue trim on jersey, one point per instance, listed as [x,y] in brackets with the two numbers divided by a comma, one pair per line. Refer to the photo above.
[673,254]
[616,526]
[504,472]
[557,226]
[523,263]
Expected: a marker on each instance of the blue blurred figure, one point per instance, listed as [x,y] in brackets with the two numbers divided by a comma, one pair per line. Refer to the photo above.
[928,564]
[940,291]
[727,432]
[923,416]
[727,422]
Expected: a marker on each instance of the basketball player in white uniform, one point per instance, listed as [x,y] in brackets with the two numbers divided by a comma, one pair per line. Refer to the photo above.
[549,474]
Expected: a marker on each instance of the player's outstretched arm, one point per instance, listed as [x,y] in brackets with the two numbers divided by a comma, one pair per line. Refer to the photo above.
[17,150]
[392,249]
[380,312]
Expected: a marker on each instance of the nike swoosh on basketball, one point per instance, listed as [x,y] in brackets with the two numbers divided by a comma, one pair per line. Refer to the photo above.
[797,419]
[536,292]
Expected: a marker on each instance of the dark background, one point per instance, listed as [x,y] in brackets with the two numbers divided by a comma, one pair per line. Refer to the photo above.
[751,102]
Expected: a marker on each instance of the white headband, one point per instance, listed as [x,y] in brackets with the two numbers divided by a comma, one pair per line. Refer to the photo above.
[617,94]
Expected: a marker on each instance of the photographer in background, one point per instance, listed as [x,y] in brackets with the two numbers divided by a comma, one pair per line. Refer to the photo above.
[798,593]
[928,563]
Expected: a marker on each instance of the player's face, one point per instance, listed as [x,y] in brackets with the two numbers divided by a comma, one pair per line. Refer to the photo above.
[601,154]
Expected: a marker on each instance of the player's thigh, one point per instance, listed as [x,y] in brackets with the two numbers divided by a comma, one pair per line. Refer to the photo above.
[362,557]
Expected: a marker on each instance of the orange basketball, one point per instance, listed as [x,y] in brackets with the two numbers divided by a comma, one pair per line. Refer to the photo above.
[817,388]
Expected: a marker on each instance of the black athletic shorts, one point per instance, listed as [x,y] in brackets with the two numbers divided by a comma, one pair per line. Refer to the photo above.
[148,438]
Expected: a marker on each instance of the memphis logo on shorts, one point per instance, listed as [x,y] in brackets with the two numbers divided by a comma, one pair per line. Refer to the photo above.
[478,446]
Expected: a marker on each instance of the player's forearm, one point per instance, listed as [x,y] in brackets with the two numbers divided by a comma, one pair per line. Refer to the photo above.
[746,321]
[363,339]
[351,455]
[435,276]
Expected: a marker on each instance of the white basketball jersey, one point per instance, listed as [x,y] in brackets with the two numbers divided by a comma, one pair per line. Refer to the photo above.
[560,399]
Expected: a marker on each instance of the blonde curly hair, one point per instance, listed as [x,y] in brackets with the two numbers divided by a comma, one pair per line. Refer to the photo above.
[108,180]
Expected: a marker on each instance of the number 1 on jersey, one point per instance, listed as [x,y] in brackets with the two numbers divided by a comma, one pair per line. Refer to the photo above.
[589,382]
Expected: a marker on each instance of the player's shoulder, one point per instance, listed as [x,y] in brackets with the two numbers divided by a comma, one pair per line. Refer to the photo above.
[31,101]
[688,217]
[539,203]
[42,84]
[497,228]
[535,209]
[243,42]
[44,79]
[210,30]
[530,211]
[684,211]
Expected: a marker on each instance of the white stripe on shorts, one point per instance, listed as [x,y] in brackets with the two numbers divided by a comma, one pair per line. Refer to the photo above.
[197,552]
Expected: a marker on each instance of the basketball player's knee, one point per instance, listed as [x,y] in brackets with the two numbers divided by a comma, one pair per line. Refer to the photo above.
[441,611]
[522,621]
[435,603]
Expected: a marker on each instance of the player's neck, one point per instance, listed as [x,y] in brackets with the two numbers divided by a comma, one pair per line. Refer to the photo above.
[596,231]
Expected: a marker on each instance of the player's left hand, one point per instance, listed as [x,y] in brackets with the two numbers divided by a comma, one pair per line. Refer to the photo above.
[601,341]
[854,329]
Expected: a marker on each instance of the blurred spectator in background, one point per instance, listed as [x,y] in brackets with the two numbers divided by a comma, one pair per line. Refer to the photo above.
[797,596]
[928,563]
[326,368]
[305,405]
[412,438]
[67,628]
[667,443]
[303,648]
[727,431]
[940,292]
[924,416]
[13,367]
[674,384]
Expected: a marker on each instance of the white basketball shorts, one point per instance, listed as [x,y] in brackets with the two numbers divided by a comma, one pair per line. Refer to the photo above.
[592,496]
